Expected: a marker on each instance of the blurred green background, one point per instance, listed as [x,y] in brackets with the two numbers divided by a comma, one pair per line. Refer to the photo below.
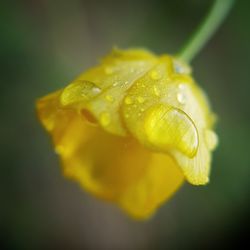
[44,45]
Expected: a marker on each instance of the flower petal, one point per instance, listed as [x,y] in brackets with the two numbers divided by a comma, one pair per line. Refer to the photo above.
[111,167]
[123,128]
[120,169]
[153,115]
[167,112]
[100,90]
[103,163]
[162,178]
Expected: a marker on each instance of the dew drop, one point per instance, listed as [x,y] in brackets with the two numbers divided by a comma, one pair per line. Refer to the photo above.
[96,90]
[181,98]
[181,68]
[115,84]
[156,90]
[78,91]
[178,68]
[140,99]
[109,98]
[155,75]
[128,100]
[182,86]
[105,118]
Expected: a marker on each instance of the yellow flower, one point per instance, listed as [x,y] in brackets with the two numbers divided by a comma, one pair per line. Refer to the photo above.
[132,129]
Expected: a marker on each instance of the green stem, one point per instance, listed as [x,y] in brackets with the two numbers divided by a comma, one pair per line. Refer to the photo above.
[217,14]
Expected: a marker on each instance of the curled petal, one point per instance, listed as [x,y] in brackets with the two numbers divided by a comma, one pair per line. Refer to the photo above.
[111,167]
[131,129]
[162,178]
[101,90]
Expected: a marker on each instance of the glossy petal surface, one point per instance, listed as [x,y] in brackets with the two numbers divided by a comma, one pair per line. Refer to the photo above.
[130,129]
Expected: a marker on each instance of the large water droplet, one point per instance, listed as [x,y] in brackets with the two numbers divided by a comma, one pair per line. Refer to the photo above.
[168,128]
[79,91]
[105,118]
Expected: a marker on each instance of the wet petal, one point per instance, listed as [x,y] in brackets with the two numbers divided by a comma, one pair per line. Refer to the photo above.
[111,167]
[162,178]
[101,89]
[120,170]
[103,163]
[79,92]
[129,129]
[153,115]
[167,127]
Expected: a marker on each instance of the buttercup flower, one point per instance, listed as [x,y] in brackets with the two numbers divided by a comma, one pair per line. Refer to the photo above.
[132,129]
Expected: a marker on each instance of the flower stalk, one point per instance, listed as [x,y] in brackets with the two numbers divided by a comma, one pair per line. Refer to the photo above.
[205,31]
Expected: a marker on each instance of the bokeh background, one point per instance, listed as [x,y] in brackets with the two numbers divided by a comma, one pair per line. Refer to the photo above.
[43,46]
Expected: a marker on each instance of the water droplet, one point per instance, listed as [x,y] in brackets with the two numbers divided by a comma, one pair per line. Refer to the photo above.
[78,91]
[167,127]
[109,98]
[115,84]
[181,68]
[178,68]
[105,118]
[109,70]
[128,100]
[181,98]
[211,139]
[140,99]
[182,86]
[156,90]
[127,115]
[155,75]
[142,109]
[96,90]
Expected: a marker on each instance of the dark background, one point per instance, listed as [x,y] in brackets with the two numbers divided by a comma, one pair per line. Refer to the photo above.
[43,46]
